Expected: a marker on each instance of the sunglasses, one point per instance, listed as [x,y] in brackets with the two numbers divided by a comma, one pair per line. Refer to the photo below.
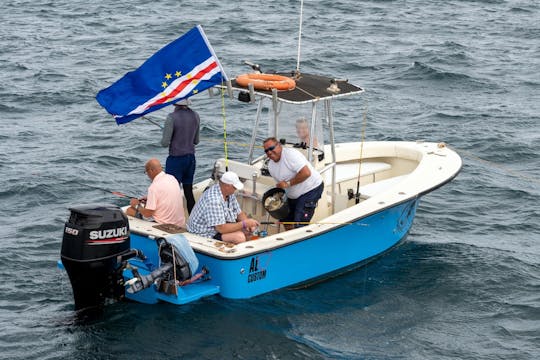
[270,148]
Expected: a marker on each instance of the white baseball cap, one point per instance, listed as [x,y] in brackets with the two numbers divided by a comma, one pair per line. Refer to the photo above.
[184,102]
[232,179]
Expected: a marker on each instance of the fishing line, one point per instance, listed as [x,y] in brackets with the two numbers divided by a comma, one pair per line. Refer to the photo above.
[117,193]
[365,281]
[240,144]
[224,126]
[311,223]
[497,165]
[237,143]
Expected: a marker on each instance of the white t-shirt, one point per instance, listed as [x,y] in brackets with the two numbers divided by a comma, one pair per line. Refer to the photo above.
[290,163]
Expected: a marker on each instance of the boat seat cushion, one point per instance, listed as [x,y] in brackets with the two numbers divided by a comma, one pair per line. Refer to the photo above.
[369,190]
[349,171]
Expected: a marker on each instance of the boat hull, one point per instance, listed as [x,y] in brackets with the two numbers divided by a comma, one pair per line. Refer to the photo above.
[311,258]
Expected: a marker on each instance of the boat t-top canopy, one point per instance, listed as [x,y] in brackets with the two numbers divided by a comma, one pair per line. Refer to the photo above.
[309,88]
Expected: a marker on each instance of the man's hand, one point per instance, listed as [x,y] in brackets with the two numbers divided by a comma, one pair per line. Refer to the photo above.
[250,224]
[283,184]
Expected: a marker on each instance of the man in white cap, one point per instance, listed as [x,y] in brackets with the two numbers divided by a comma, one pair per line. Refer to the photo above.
[217,214]
[181,134]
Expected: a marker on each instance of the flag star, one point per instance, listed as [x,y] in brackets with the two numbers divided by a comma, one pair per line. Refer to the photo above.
[168,76]
[189,76]
[164,84]
[178,73]
[195,91]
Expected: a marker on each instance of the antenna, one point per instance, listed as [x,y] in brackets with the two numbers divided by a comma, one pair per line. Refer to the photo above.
[299,37]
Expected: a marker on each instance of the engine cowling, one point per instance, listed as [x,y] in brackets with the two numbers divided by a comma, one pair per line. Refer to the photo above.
[96,238]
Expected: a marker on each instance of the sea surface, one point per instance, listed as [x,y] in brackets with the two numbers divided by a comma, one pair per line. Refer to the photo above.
[465,284]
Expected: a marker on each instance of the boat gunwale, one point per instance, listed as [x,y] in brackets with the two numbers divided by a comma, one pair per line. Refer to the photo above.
[315,229]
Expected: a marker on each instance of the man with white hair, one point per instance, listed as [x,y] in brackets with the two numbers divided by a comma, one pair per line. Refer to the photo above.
[217,214]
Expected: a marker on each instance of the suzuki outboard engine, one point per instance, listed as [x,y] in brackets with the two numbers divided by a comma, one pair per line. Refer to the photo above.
[95,244]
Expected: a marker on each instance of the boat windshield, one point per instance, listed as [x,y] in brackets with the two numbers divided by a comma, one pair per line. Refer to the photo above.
[295,126]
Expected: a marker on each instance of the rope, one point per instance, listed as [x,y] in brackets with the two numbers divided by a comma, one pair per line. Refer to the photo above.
[195,277]
[174,270]
[306,92]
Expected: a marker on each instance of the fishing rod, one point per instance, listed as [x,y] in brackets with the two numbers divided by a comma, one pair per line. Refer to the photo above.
[116,193]
[153,122]
[310,223]
[364,123]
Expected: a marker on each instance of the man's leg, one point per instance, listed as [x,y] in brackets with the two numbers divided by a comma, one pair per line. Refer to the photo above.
[291,215]
[190,199]
[187,182]
[236,237]
[305,206]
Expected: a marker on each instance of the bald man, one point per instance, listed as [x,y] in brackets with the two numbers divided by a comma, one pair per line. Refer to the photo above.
[164,202]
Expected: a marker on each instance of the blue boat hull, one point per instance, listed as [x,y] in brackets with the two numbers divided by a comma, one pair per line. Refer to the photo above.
[308,259]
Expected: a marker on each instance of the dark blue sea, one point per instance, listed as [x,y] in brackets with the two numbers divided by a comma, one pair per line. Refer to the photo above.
[465,284]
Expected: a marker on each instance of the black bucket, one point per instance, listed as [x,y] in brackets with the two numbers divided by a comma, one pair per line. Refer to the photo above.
[277,204]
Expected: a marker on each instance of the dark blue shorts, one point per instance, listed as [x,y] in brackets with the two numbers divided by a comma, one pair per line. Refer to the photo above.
[181,167]
[303,208]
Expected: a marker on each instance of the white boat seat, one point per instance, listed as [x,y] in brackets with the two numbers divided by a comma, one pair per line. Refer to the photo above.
[370,190]
[349,171]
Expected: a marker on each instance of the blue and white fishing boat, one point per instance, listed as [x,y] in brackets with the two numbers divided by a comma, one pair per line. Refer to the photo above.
[371,192]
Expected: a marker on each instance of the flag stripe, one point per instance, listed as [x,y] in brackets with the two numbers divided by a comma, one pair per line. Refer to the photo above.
[185,83]
[174,88]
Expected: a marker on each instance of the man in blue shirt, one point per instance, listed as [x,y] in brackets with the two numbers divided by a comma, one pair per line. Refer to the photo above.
[217,214]
[181,134]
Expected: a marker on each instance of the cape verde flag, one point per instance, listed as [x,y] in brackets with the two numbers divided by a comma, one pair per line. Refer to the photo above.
[181,69]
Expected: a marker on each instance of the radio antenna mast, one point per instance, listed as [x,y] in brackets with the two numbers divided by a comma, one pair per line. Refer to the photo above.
[299,37]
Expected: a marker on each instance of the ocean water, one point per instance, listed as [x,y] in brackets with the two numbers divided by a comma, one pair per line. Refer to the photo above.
[466,282]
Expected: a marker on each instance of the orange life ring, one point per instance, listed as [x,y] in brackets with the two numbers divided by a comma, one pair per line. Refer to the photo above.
[266,81]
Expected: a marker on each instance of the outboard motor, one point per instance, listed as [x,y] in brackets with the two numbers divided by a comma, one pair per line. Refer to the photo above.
[96,241]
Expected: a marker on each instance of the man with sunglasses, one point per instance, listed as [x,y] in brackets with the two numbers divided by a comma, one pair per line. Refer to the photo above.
[303,184]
